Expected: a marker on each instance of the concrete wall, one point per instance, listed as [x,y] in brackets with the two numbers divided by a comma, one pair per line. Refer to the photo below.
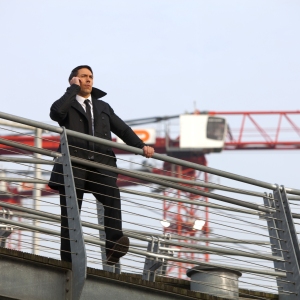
[29,277]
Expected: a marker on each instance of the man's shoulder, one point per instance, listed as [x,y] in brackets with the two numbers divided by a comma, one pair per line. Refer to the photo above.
[101,103]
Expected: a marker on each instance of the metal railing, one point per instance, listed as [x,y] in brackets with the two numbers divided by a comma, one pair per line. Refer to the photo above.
[257,239]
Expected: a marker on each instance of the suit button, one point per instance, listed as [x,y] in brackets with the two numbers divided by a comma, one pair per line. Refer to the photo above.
[105,134]
[102,118]
[80,120]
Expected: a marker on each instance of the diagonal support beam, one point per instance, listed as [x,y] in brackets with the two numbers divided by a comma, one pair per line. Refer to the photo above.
[283,235]
[75,230]
[275,240]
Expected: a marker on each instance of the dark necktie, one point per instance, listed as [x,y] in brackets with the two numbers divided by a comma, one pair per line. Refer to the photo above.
[89,117]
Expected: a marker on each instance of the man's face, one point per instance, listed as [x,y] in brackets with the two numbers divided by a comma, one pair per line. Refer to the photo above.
[86,81]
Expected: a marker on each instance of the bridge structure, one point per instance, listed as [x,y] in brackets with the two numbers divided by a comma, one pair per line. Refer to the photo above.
[261,250]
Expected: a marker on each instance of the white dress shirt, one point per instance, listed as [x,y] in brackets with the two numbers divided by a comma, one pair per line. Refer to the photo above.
[81,102]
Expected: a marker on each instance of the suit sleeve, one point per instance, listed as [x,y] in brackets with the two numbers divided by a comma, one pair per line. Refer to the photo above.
[60,107]
[123,131]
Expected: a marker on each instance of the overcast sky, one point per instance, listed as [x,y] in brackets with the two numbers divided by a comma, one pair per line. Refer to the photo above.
[157,58]
[152,57]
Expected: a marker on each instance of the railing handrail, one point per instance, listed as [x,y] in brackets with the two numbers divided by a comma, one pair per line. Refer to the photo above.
[174,179]
[216,206]
[136,234]
[134,150]
[139,176]
[273,206]
[163,198]
[146,253]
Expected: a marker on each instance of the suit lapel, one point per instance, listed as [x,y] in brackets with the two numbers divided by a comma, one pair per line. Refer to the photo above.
[77,106]
[98,107]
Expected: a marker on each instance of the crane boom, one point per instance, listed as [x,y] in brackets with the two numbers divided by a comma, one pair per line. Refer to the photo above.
[247,130]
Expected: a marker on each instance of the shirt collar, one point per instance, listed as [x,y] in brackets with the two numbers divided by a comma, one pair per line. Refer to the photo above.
[82,99]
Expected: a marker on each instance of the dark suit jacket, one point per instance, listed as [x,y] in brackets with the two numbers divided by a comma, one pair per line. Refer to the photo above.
[70,114]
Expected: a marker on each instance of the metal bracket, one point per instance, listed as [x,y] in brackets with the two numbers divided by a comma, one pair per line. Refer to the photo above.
[117,267]
[5,231]
[163,269]
[75,230]
[282,237]
[152,264]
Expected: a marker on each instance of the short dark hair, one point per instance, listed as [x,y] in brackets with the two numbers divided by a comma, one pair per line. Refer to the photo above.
[74,72]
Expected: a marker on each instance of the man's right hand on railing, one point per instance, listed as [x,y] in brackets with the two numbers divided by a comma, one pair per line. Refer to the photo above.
[148,151]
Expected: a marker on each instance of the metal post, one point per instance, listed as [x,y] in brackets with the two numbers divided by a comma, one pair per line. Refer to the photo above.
[36,193]
[117,267]
[163,269]
[78,252]
[152,264]
[291,224]
[275,241]
[283,235]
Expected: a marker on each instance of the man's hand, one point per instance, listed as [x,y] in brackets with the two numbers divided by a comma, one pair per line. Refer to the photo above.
[148,151]
[75,80]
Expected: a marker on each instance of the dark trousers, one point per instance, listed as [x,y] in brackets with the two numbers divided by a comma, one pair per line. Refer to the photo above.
[105,190]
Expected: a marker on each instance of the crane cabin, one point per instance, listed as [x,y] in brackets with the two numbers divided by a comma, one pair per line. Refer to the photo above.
[202,132]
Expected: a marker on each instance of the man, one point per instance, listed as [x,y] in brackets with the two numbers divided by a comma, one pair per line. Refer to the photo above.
[80,110]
